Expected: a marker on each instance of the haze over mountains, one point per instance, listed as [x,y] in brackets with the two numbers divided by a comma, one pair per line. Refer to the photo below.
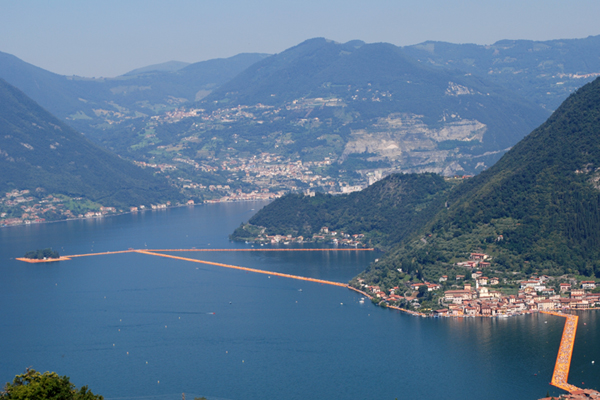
[544,72]
[140,92]
[340,112]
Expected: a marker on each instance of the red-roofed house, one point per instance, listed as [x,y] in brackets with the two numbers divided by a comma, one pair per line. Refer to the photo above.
[479,256]
[457,296]
[415,286]
[588,285]
[483,280]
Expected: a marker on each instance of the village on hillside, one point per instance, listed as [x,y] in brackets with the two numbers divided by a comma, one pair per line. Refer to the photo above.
[19,207]
[485,297]
[324,236]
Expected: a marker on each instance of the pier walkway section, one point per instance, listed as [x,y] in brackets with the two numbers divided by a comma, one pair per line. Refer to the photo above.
[259,271]
[565,352]
[261,250]
[158,253]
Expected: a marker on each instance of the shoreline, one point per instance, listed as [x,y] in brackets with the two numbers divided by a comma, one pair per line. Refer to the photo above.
[126,212]
[47,260]
[564,311]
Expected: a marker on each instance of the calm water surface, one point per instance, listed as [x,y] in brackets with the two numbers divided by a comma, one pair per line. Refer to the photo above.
[137,326]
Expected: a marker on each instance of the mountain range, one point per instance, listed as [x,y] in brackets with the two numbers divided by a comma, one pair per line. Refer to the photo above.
[380,103]
[545,72]
[435,106]
[358,108]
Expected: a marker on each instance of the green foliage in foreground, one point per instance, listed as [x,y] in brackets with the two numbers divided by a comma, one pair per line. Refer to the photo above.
[35,386]
[41,254]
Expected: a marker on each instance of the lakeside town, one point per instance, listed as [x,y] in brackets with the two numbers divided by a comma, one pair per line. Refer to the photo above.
[258,178]
[213,178]
[325,236]
[479,295]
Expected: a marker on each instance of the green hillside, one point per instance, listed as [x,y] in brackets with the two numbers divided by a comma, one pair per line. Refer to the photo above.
[37,151]
[536,210]
[385,212]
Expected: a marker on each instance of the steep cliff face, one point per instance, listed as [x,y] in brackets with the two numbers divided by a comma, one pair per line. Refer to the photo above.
[404,139]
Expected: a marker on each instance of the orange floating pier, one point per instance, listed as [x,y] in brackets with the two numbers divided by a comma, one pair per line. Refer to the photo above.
[158,253]
[100,254]
[45,260]
[202,250]
[565,352]
[259,271]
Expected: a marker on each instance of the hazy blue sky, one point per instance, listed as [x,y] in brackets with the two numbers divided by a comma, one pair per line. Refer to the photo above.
[109,38]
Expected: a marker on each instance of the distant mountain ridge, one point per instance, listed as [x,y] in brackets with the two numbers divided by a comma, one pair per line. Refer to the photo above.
[38,151]
[545,72]
[76,98]
[385,103]
[450,109]
[168,66]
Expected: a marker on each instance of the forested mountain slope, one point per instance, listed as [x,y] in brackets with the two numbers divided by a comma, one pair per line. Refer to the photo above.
[37,151]
[385,212]
[535,210]
[381,102]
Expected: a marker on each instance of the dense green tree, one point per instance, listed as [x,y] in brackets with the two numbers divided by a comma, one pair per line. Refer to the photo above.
[33,385]
[42,254]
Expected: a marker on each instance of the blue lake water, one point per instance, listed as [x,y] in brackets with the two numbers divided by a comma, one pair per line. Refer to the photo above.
[138,326]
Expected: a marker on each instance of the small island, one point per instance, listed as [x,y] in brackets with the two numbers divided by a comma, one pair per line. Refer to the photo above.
[42,255]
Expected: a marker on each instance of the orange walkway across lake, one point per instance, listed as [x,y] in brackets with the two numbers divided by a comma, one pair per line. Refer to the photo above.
[353,249]
[101,254]
[260,271]
[565,351]
[157,252]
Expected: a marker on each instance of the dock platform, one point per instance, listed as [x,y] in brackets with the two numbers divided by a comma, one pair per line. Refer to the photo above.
[565,352]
